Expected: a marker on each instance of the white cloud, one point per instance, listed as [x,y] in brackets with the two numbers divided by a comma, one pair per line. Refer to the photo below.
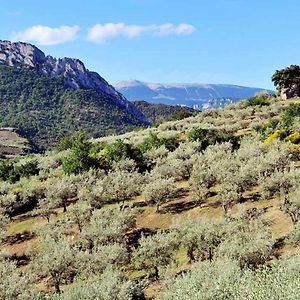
[101,33]
[44,35]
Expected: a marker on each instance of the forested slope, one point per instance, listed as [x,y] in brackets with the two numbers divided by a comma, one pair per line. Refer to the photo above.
[45,110]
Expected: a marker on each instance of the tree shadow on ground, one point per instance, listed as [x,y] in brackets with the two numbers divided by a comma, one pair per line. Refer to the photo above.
[178,207]
[19,260]
[19,238]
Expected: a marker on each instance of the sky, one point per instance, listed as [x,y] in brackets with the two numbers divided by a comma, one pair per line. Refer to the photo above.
[165,41]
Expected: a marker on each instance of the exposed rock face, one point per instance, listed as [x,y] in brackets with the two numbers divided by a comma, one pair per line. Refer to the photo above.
[73,70]
[290,92]
[20,53]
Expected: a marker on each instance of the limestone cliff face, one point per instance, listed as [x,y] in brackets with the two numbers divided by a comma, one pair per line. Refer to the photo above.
[73,71]
[20,53]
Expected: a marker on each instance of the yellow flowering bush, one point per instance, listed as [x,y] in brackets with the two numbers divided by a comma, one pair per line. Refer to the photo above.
[294,138]
[277,134]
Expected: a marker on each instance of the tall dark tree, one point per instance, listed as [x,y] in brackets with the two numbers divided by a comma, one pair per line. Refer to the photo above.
[288,81]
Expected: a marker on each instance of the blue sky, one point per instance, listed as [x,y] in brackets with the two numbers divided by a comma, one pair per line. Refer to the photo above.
[217,41]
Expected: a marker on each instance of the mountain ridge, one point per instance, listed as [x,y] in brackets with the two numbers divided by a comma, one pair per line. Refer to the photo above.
[189,94]
[48,98]
[73,70]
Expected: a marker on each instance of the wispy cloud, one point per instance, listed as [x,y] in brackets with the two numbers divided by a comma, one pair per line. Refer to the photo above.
[101,33]
[14,13]
[44,35]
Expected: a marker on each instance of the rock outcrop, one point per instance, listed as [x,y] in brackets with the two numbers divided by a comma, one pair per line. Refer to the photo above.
[73,70]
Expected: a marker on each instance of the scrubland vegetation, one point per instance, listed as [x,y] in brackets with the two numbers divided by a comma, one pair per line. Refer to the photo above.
[206,207]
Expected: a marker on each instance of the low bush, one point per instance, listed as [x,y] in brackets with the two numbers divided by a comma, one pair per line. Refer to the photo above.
[207,137]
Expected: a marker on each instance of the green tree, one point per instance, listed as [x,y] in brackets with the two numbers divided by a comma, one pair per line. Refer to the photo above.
[79,159]
[288,78]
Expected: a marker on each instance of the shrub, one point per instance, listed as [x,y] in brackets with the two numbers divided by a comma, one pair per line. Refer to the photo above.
[259,100]
[292,111]
[14,172]
[153,141]
[280,134]
[294,138]
[208,137]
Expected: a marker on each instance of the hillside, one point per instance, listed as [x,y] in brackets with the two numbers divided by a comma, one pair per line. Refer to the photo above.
[12,143]
[47,99]
[157,113]
[201,96]
[206,207]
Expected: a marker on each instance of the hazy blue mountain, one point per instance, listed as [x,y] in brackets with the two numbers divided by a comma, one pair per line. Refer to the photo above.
[198,95]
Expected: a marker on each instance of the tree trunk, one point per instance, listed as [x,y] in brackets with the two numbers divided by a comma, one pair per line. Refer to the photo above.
[64,206]
[90,246]
[79,227]
[156,272]
[56,287]
[157,207]
[210,255]
[190,254]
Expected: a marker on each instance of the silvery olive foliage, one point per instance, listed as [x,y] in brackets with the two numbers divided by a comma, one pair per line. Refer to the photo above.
[15,284]
[108,226]
[101,246]
[206,280]
[291,204]
[156,252]
[159,190]
[111,284]
[55,256]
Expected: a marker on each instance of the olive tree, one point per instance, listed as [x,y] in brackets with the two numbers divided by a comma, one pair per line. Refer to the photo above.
[159,190]
[79,214]
[247,241]
[60,191]
[15,284]
[201,238]
[206,280]
[54,257]
[156,251]
[121,185]
[291,205]
[108,285]
[103,256]
[3,223]
[108,226]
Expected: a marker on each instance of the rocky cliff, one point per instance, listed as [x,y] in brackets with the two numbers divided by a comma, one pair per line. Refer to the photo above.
[74,72]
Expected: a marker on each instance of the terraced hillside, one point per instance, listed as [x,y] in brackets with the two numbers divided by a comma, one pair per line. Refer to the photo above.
[202,208]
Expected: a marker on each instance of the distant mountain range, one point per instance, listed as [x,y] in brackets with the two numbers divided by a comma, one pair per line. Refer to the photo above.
[198,96]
